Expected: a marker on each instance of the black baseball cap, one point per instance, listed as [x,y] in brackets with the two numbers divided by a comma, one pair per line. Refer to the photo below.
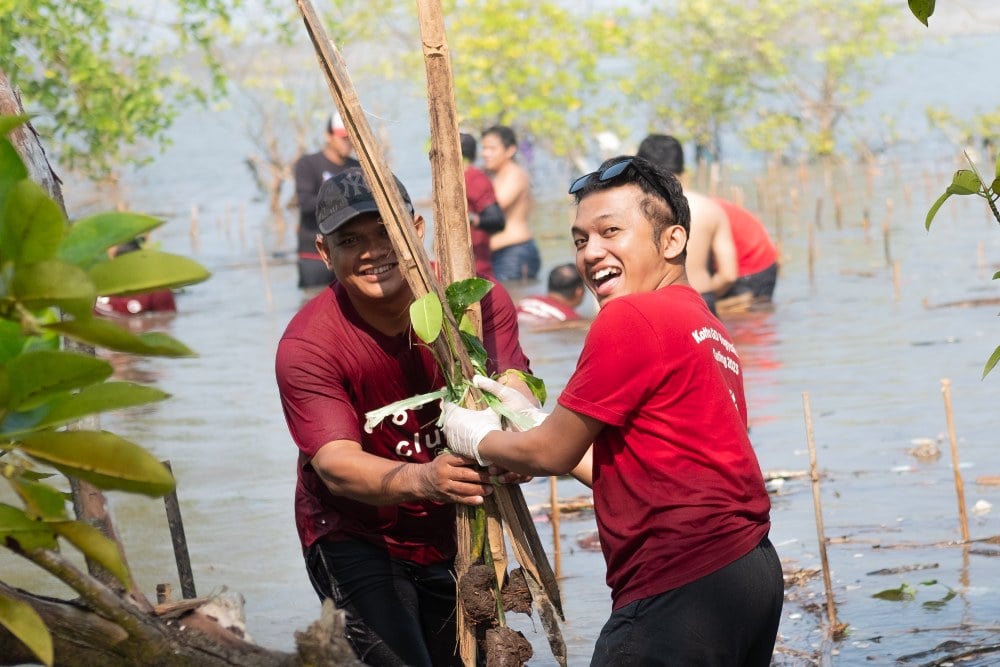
[346,195]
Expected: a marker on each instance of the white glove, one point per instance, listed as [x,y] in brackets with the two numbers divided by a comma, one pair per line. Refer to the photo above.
[524,415]
[464,429]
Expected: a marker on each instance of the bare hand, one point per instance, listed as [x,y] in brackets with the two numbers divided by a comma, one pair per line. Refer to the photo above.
[504,476]
[453,479]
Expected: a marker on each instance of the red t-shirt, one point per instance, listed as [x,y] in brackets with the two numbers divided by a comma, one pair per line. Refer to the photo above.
[479,193]
[332,368]
[136,304]
[543,308]
[678,491]
[754,250]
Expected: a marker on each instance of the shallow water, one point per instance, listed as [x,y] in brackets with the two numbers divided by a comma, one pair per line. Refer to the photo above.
[870,355]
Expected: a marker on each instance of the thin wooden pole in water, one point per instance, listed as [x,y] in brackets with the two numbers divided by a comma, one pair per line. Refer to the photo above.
[176,525]
[831,608]
[556,543]
[959,484]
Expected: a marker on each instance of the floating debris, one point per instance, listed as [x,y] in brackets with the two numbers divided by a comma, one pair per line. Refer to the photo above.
[903,568]
[982,507]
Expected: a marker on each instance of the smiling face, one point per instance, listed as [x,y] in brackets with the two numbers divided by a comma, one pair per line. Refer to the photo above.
[361,255]
[616,251]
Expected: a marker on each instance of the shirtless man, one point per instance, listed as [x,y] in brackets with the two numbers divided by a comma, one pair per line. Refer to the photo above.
[515,255]
[711,263]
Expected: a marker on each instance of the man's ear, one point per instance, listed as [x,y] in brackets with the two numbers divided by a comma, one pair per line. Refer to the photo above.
[418,224]
[674,242]
[323,250]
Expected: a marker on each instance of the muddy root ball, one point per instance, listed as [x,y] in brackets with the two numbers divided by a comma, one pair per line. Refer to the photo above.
[476,590]
[506,648]
[516,595]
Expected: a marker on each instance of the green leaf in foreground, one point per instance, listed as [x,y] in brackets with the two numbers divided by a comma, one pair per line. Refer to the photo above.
[35,376]
[374,417]
[95,546]
[33,224]
[463,293]
[17,527]
[922,9]
[89,238]
[55,283]
[104,459]
[992,362]
[22,621]
[427,317]
[107,334]
[144,271]
[904,593]
[41,501]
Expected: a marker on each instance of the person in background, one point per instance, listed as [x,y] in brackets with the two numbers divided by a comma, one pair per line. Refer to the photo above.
[565,293]
[310,173]
[654,418]
[485,215]
[159,301]
[375,510]
[711,253]
[756,258]
[515,254]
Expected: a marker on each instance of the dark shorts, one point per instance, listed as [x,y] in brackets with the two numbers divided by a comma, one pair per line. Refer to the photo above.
[760,284]
[398,612]
[520,261]
[728,618]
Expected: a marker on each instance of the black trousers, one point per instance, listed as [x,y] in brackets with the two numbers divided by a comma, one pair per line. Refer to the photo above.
[728,618]
[398,612]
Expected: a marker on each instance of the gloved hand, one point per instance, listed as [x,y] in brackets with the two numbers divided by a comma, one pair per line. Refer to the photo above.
[464,429]
[525,414]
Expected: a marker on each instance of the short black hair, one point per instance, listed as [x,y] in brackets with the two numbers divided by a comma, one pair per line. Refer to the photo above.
[565,280]
[664,151]
[506,135]
[468,146]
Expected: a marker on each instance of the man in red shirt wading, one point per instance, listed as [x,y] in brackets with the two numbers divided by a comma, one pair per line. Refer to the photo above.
[682,512]
[375,511]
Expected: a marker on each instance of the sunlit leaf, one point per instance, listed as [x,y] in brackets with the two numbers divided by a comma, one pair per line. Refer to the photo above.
[41,501]
[463,293]
[89,238]
[26,533]
[12,170]
[992,362]
[535,384]
[35,376]
[922,9]
[55,283]
[427,317]
[144,271]
[8,123]
[90,400]
[996,171]
[902,594]
[95,546]
[107,334]
[476,351]
[465,324]
[995,187]
[965,182]
[374,417]
[22,621]
[33,227]
[104,459]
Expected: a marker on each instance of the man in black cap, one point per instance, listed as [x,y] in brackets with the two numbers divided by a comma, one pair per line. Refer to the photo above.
[375,511]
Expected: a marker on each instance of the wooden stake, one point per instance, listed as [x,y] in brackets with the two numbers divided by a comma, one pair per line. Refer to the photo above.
[556,540]
[959,484]
[811,255]
[831,607]
[818,219]
[838,212]
[181,556]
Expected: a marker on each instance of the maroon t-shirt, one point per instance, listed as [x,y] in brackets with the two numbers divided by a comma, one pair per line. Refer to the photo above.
[479,193]
[678,491]
[332,368]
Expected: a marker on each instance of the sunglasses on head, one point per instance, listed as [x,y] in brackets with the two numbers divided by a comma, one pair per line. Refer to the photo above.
[616,170]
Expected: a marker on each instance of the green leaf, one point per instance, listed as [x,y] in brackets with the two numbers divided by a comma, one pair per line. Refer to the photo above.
[463,293]
[26,533]
[104,459]
[36,376]
[22,621]
[995,187]
[88,239]
[41,501]
[33,224]
[996,276]
[374,417]
[55,283]
[9,123]
[902,594]
[71,407]
[477,353]
[12,170]
[992,362]
[465,324]
[427,317]
[105,333]
[996,171]
[922,9]
[95,546]
[144,271]
[965,182]
[535,384]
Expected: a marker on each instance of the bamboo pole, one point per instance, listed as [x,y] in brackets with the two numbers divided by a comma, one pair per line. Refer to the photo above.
[556,540]
[831,607]
[959,483]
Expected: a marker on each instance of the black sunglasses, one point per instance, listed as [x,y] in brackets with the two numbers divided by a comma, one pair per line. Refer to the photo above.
[616,170]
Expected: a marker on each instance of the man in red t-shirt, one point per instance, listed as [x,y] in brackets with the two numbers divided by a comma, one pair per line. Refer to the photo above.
[375,511]
[756,256]
[565,293]
[682,511]
[485,215]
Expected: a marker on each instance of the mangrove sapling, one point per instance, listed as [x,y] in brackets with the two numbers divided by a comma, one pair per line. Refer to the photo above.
[428,321]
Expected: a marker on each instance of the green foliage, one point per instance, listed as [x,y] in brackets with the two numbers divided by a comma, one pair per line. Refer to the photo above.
[922,9]
[50,277]
[970,182]
[533,65]
[907,593]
